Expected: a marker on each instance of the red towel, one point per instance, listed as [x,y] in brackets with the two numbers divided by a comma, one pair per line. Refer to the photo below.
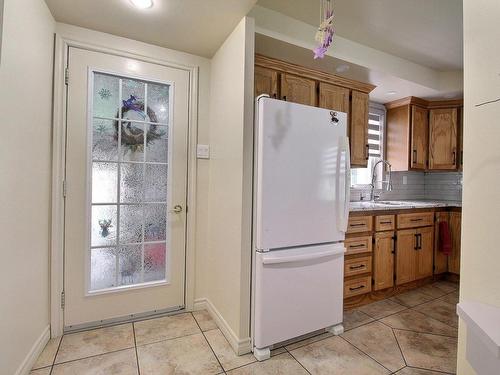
[444,238]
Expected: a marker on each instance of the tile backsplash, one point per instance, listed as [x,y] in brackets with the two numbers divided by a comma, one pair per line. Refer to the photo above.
[419,185]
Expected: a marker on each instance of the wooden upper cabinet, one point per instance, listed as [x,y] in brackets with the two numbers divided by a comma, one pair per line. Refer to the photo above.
[358,132]
[298,89]
[419,137]
[334,97]
[383,261]
[443,138]
[266,82]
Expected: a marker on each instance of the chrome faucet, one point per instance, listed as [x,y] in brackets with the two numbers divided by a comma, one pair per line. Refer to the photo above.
[374,176]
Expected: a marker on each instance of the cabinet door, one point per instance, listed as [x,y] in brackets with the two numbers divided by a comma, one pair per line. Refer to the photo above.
[405,256]
[456,232]
[334,97]
[383,260]
[443,138]
[358,133]
[266,82]
[461,140]
[440,260]
[419,137]
[298,90]
[424,252]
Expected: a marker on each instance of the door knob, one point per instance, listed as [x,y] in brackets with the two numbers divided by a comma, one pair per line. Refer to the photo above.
[177,209]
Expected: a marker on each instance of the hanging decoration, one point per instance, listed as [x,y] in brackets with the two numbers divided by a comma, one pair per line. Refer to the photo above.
[324,35]
[132,133]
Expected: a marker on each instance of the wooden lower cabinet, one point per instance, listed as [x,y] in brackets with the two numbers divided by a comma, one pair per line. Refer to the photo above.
[440,260]
[424,253]
[383,260]
[456,233]
[414,254]
[405,256]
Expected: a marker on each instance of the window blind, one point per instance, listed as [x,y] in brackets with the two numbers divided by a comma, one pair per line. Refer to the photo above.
[374,135]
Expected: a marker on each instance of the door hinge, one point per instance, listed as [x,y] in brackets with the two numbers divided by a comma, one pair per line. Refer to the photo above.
[64,185]
[63,300]
[66,76]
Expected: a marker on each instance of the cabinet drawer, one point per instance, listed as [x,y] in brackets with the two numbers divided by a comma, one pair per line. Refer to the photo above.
[358,245]
[360,285]
[385,222]
[357,266]
[359,224]
[420,219]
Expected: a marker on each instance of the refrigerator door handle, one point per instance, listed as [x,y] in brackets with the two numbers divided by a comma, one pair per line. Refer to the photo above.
[345,154]
[269,259]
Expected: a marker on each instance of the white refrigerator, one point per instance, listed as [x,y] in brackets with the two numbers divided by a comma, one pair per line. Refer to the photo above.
[301,207]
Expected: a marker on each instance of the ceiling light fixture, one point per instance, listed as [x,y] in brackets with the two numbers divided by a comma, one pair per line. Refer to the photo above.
[142,4]
[391,92]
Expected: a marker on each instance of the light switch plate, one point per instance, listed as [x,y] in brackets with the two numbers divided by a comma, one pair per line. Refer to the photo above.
[405,180]
[203,151]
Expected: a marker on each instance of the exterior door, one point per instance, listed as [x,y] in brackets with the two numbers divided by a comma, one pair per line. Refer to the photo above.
[126,172]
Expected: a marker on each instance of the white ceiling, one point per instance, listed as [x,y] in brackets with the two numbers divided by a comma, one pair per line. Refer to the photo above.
[427,32]
[194,26]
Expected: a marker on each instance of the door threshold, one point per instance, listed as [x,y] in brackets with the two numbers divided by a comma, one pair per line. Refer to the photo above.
[124,319]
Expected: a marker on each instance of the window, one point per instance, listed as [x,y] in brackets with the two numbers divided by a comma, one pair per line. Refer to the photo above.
[376,125]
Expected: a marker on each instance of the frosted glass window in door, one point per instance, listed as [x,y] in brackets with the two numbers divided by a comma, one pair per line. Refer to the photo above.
[129,156]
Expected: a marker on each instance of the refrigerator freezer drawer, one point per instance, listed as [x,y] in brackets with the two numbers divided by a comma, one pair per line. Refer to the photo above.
[297,291]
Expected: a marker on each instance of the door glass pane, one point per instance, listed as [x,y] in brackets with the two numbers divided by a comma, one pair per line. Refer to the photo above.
[157,144]
[105,140]
[106,96]
[154,261]
[103,268]
[129,161]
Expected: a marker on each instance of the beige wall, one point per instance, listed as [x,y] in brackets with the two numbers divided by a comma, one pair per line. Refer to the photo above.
[25,175]
[480,278]
[223,274]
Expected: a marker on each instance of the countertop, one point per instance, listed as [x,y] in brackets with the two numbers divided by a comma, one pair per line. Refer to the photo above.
[400,205]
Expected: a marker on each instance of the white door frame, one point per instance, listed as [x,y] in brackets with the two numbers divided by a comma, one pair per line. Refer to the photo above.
[62,44]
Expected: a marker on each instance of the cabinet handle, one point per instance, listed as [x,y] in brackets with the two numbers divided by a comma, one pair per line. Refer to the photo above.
[461,158]
[386,222]
[454,157]
[367,152]
[357,288]
[357,267]
[357,225]
[419,219]
[356,246]
[418,241]
[414,156]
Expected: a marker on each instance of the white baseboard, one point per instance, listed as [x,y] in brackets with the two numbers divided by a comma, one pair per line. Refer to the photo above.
[33,354]
[240,346]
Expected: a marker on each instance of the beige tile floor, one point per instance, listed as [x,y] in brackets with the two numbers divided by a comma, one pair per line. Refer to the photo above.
[414,333]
